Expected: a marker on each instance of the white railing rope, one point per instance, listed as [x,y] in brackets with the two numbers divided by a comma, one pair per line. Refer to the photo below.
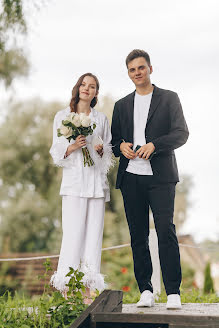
[215,249]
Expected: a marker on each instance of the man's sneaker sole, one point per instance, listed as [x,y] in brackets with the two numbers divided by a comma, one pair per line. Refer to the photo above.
[142,304]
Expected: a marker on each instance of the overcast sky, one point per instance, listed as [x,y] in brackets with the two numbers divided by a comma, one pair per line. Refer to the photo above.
[69,38]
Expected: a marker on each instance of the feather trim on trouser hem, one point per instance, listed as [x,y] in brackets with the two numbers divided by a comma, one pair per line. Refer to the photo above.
[92,280]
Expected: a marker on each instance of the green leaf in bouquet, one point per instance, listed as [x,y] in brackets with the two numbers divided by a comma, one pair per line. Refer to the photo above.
[94,126]
[84,132]
[79,130]
[66,122]
[59,133]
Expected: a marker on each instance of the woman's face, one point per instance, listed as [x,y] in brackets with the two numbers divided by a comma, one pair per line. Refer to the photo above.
[88,89]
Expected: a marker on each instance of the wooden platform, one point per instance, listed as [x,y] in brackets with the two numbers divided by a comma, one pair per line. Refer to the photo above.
[107,311]
[187,309]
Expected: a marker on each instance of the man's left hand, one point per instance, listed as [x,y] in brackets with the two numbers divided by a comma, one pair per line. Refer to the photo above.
[145,151]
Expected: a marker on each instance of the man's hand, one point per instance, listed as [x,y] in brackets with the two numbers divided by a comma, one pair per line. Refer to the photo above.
[126,150]
[145,151]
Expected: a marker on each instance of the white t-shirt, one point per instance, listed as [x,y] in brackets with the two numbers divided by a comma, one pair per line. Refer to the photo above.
[141,108]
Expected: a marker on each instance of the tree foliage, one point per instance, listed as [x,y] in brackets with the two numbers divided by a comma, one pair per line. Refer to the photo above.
[30,202]
[13,62]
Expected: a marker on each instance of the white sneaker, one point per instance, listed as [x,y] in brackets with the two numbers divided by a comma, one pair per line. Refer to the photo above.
[173,302]
[146,299]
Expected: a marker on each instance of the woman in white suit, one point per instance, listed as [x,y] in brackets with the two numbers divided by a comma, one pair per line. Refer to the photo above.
[84,190]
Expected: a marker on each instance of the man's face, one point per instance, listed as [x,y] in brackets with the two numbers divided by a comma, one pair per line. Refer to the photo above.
[139,71]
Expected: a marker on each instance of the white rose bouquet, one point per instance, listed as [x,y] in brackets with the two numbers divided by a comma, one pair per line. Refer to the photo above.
[74,125]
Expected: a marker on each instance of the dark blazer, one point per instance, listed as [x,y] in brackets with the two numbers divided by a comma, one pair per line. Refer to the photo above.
[165,127]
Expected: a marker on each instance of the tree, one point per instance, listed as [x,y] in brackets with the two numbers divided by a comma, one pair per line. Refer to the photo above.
[30,203]
[13,61]
[208,282]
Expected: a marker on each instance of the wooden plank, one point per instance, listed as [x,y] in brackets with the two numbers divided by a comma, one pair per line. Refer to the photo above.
[109,300]
[111,303]
[192,309]
[130,325]
[84,320]
[192,326]
[198,320]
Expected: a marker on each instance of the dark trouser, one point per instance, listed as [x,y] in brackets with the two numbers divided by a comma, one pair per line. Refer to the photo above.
[139,192]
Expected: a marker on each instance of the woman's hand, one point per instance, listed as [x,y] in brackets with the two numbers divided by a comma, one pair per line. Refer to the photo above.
[80,142]
[99,149]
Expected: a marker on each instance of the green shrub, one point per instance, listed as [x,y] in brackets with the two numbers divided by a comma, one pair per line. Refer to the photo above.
[208,282]
[51,310]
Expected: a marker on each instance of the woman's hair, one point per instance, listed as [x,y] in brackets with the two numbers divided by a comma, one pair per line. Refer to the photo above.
[75,92]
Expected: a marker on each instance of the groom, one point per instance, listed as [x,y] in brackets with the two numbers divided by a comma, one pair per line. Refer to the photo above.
[147,126]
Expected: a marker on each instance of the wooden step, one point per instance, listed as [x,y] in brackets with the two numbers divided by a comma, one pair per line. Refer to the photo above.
[106,312]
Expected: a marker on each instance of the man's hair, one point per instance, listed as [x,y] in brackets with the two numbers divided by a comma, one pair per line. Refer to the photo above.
[137,53]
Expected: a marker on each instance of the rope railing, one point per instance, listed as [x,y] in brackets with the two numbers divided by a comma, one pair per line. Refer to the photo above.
[213,249]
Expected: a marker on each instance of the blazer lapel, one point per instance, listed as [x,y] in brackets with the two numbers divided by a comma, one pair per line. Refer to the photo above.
[130,116]
[154,103]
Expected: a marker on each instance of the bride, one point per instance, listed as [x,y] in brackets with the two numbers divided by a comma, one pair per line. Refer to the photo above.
[84,189]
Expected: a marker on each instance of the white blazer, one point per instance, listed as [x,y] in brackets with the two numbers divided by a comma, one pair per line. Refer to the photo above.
[78,180]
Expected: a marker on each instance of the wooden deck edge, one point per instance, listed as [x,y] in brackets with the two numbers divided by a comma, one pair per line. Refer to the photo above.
[108,301]
[155,318]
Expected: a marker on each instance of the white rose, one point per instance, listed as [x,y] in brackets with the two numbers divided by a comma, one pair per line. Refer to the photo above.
[86,122]
[82,116]
[70,117]
[76,120]
[66,131]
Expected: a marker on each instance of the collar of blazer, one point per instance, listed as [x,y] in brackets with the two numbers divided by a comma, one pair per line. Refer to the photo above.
[130,108]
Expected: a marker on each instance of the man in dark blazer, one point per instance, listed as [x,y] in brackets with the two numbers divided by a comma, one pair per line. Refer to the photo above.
[147,126]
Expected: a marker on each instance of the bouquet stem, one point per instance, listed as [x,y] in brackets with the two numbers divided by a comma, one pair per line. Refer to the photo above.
[87,158]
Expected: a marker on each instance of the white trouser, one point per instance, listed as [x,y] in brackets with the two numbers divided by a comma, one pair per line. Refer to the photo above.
[82,226]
